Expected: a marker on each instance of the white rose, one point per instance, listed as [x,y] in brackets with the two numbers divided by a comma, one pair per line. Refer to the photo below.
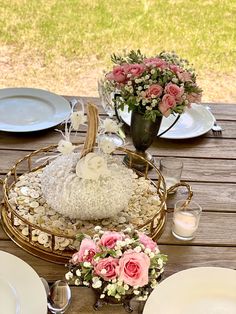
[91,167]
[77,118]
[65,147]
[106,145]
[110,126]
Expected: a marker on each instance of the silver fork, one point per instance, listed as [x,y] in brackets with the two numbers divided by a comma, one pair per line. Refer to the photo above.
[217,129]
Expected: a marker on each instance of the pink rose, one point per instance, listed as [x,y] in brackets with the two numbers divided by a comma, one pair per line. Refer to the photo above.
[154,90]
[147,241]
[166,104]
[174,90]
[134,268]
[184,76]
[86,252]
[155,62]
[135,69]
[175,68]
[109,239]
[194,98]
[118,74]
[111,267]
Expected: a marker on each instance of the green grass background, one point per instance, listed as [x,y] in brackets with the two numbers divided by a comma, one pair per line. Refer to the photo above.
[202,31]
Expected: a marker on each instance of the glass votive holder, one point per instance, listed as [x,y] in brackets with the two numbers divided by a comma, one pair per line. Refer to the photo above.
[171,169]
[186,220]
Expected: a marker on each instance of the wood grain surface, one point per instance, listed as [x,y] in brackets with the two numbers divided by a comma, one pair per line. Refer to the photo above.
[210,168]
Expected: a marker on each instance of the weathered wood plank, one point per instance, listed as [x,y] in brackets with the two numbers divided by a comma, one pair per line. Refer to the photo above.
[223,111]
[211,196]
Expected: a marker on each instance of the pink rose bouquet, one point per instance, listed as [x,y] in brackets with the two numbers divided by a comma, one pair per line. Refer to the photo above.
[117,264]
[155,86]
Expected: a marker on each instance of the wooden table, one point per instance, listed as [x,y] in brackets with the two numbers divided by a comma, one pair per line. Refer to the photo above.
[209,167]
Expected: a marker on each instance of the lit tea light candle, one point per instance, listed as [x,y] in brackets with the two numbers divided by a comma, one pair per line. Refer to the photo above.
[184,224]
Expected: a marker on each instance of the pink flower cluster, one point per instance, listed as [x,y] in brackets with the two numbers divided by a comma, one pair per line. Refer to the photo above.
[130,267]
[156,83]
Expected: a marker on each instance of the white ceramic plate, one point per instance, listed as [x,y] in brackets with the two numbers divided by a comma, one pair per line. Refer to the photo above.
[195,121]
[202,290]
[21,290]
[30,109]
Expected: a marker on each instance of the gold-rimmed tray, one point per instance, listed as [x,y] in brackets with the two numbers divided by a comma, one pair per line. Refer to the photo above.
[153,226]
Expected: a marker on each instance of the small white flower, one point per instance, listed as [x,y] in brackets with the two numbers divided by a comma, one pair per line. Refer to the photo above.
[147,77]
[129,83]
[106,145]
[110,126]
[119,283]
[175,80]
[85,283]
[78,273]
[117,296]
[118,253]
[69,275]
[147,251]
[65,147]
[97,228]
[140,88]
[97,284]
[136,292]
[152,71]
[151,255]
[87,264]
[77,282]
[137,249]
[153,272]
[136,287]
[126,287]
[136,81]
[113,281]
[160,262]
[102,296]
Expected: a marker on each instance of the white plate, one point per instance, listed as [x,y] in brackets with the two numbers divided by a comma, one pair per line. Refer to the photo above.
[202,290]
[195,121]
[30,109]
[21,290]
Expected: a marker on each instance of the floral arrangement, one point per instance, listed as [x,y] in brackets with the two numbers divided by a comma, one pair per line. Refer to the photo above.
[117,264]
[154,86]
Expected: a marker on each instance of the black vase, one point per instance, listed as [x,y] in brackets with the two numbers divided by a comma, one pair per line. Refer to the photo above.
[143,132]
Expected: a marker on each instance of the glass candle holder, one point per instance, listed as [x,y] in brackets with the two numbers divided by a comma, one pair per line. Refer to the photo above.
[171,169]
[186,220]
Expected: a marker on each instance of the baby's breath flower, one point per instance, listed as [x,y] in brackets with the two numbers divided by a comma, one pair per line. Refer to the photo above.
[78,273]
[87,264]
[97,228]
[102,296]
[77,282]
[136,292]
[126,287]
[147,251]
[69,275]
[138,249]
[85,283]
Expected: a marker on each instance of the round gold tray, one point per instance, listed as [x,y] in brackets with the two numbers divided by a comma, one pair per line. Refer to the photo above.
[30,162]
